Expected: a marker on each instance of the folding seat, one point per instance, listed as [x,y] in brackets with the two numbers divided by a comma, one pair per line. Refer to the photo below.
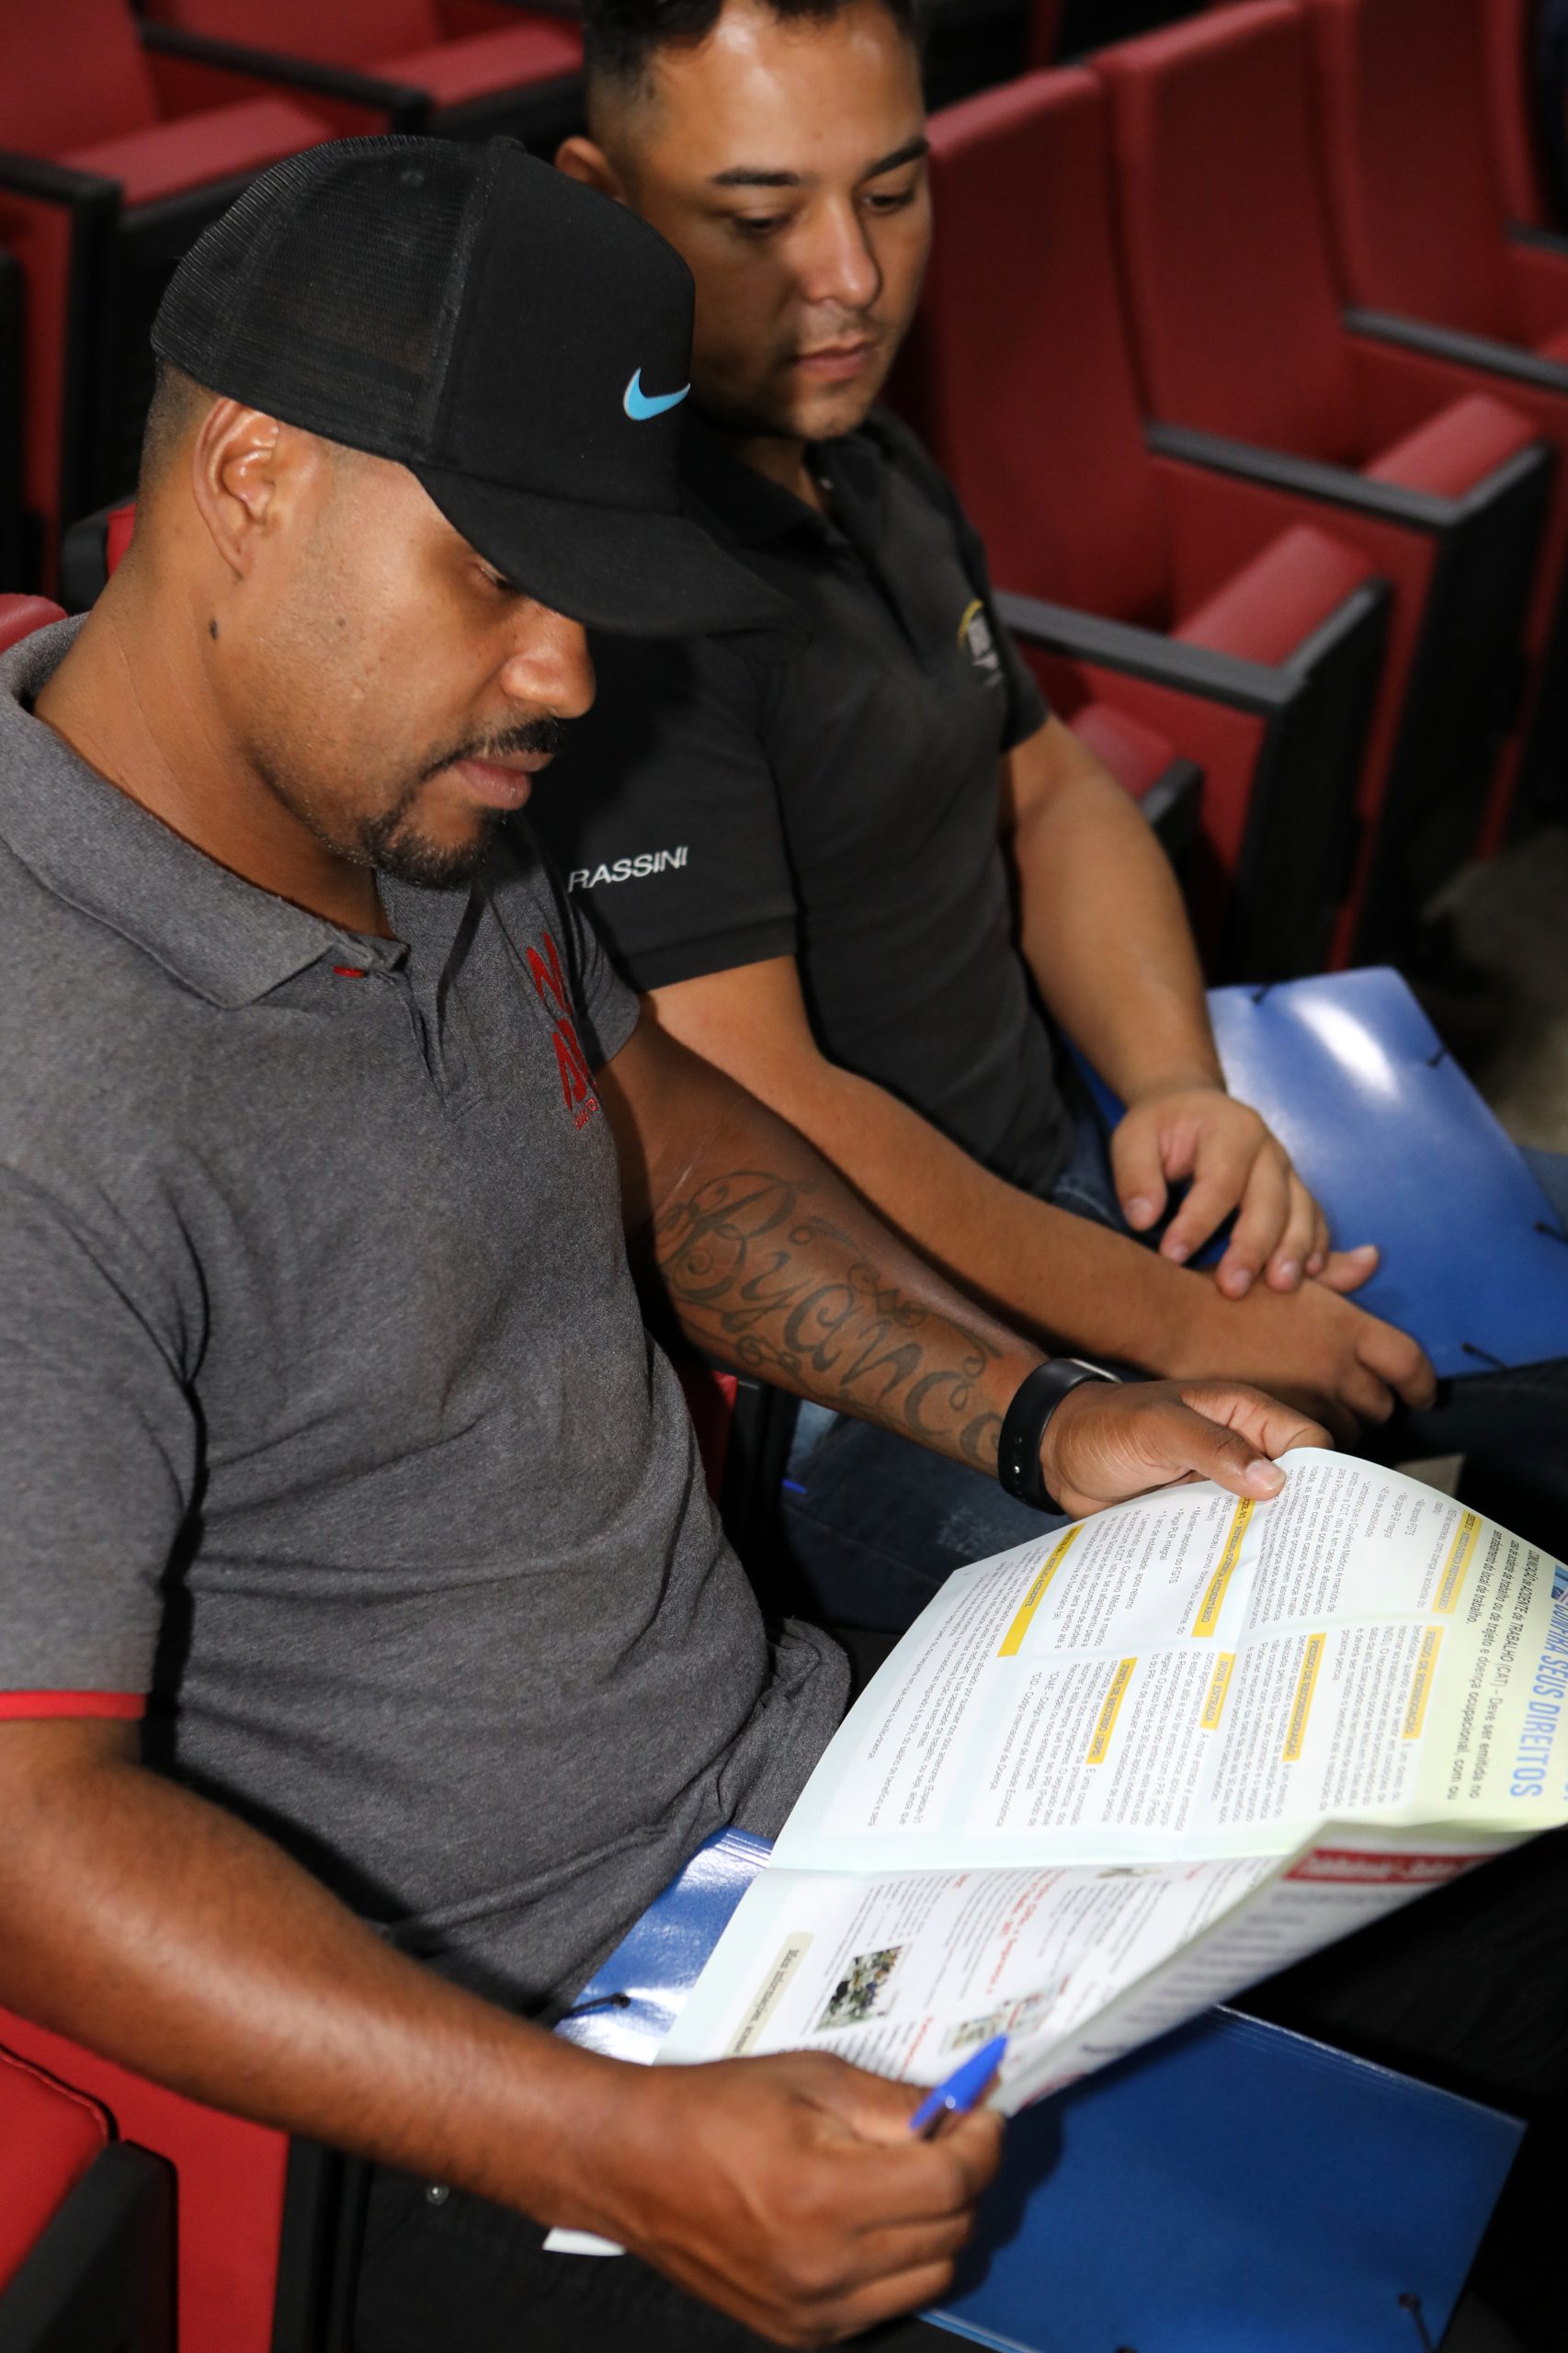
[1252,369]
[1426,254]
[105,178]
[461,68]
[1235,623]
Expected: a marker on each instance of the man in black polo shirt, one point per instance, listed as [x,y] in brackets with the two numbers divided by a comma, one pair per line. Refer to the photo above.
[852,882]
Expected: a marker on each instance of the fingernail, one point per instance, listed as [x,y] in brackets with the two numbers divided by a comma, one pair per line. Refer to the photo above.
[1265,1478]
[1290,1272]
[1175,1251]
[1139,1209]
[1314,1264]
[1239,1284]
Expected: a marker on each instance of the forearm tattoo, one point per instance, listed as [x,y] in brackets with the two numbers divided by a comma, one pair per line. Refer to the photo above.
[758,1277]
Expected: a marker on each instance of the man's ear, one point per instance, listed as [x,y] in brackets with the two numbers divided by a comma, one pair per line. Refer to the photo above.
[580,160]
[234,479]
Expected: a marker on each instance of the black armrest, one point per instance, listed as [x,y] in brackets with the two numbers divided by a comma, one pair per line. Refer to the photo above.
[48,183]
[406,107]
[1465,350]
[1143,653]
[102,2271]
[1552,241]
[1419,510]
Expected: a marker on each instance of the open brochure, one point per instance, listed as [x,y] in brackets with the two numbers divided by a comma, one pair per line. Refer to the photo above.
[1112,1777]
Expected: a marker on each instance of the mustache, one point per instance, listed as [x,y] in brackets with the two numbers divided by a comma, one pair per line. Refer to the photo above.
[547,734]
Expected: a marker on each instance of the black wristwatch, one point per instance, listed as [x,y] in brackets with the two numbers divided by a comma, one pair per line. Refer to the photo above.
[1023,1426]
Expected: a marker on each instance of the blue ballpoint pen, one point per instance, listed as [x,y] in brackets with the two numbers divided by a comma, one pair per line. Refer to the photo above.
[964,2088]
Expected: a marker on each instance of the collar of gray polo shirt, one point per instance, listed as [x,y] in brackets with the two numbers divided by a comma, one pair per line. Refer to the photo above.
[96,848]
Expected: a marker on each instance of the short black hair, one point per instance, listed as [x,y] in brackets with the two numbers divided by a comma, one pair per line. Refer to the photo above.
[620,36]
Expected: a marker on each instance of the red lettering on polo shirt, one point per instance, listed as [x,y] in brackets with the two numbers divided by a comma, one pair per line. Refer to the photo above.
[576,1079]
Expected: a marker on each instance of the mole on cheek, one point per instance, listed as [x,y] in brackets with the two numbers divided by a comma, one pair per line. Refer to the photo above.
[212,628]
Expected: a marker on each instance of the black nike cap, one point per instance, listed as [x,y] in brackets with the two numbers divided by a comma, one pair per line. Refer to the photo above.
[520,343]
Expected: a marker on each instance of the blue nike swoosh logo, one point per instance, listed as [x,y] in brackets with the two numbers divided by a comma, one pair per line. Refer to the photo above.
[642,405]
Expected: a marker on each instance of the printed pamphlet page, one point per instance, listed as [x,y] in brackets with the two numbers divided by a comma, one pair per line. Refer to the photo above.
[1112,1777]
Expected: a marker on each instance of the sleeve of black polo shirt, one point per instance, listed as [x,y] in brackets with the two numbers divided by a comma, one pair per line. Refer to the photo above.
[98,1449]
[661,814]
[1028,709]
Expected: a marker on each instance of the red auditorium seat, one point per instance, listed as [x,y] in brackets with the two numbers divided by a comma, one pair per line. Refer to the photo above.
[86,2238]
[106,176]
[1250,369]
[1234,622]
[1427,256]
[463,68]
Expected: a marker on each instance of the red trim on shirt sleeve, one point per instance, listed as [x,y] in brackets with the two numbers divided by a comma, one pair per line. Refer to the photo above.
[71,1703]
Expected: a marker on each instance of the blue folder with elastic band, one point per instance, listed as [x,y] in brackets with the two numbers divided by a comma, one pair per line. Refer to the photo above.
[1230,2188]
[1399,1148]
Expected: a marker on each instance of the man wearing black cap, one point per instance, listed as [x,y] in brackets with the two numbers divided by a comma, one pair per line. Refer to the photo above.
[369,1654]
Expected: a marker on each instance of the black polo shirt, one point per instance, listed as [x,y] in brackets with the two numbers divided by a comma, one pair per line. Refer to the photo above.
[715,809]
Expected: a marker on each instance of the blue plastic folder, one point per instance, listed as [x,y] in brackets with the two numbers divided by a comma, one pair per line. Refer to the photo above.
[1400,1149]
[1231,2189]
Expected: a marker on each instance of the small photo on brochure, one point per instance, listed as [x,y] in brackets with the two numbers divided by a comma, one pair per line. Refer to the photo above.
[862,1992]
[1014,2019]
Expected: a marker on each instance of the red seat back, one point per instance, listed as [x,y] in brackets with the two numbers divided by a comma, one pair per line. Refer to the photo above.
[70,75]
[1234,305]
[1414,193]
[49,2136]
[338,32]
[1017,370]
[1507,28]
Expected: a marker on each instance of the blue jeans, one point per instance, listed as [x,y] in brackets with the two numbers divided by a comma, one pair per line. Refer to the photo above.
[871,1524]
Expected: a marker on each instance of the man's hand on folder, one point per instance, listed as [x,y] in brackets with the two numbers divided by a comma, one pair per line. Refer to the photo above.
[790,2191]
[1104,1444]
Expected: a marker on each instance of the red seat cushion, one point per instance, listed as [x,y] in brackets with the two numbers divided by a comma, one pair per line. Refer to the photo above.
[1456,448]
[19,616]
[196,148]
[1555,346]
[49,2136]
[1264,612]
[536,49]
[1137,756]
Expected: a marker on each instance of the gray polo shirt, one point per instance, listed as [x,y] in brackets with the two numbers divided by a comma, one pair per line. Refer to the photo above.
[329,1430]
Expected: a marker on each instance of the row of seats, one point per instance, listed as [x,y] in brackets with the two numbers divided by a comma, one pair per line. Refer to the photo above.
[1314,548]
[121,138]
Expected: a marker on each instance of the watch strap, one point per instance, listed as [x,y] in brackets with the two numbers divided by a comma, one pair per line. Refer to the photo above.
[1023,1426]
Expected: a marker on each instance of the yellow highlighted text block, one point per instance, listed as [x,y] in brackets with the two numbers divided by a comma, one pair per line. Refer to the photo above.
[1213,1601]
[1110,1708]
[1013,1639]
[1300,1706]
[1459,1560]
[1219,1685]
[1422,1681]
